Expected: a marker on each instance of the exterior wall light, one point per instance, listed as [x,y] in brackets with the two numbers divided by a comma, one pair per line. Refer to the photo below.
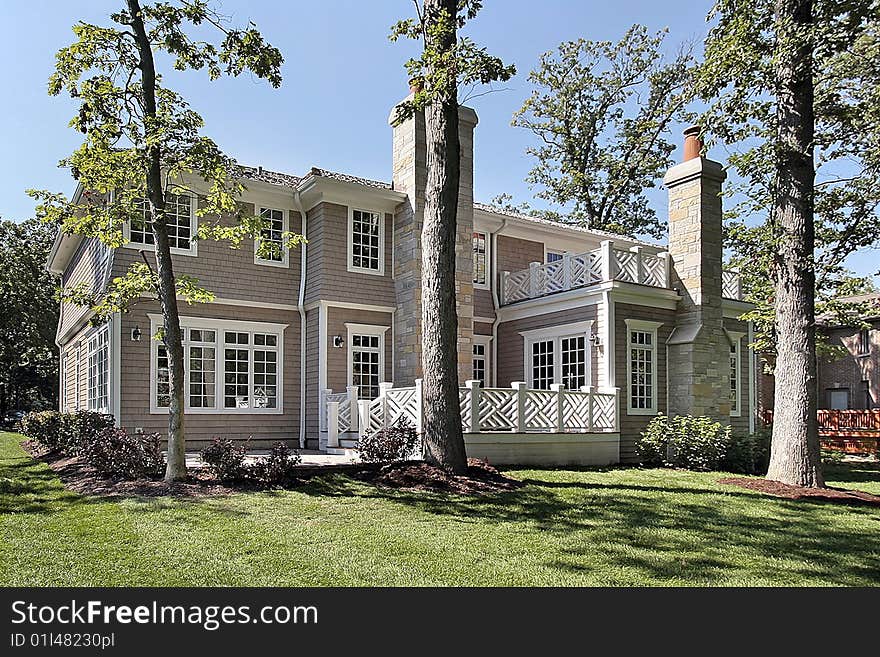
[136,334]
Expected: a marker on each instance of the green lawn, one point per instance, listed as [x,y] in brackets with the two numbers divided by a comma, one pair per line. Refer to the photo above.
[566,527]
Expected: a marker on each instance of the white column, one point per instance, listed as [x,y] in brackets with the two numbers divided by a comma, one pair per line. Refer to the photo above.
[363,410]
[420,406]
[590,407]
[473,414]
[520,387]
[503,295]
[559,389]
[667,269]
[352,405]
[534,290]
[607,248]
[332,424]
[566,271]
[640,266]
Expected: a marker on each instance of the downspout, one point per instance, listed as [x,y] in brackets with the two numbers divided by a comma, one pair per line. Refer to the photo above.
[300,306]
[495,303]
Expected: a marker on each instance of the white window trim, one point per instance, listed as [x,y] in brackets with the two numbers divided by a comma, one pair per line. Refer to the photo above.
[557,333]
[349,246]
[646,327]
[285,262]
[488,284]
[95,334]
[218,326]
[193,249]
[364,329]
[735,338]
[486,341]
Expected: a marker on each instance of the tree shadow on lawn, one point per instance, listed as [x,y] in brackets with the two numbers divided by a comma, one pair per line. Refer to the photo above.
[692,534]
[853,472]
[30,486]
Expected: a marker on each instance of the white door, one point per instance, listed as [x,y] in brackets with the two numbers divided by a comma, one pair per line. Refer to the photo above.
[838,400]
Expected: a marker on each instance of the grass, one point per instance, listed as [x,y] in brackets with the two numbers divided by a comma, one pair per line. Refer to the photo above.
[566,527]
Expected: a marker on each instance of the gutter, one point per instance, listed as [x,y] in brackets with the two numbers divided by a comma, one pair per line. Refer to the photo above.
[300,306]
[496,305]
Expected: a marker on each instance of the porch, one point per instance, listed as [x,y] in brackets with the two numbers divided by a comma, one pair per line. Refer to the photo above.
[637,264]
[513,425]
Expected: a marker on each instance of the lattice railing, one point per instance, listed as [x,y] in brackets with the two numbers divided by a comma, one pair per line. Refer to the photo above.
[516,409]
[582,269]
[345,406]
[730,285]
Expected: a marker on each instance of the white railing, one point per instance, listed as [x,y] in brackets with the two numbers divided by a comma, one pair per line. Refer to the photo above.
[575,270]
[516,410]
[730,285]
[344,412]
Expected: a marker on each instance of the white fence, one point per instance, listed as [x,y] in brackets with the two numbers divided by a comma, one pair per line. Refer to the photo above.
[484,410]
[575,270]
[730,285]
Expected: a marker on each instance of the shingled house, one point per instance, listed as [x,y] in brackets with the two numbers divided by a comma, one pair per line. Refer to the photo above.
[570,339]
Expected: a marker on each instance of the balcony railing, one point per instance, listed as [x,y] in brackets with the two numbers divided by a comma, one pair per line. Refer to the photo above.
[730,285]
[576,270]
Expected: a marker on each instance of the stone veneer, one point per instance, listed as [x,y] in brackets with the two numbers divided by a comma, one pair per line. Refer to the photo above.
[699,376]
[409,174]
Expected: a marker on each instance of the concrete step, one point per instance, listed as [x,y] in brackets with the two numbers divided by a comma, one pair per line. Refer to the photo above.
[342,451]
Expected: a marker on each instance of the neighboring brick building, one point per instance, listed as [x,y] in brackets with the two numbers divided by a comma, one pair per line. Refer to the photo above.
[851,380]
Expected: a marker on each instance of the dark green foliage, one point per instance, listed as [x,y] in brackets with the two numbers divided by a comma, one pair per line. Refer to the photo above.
[393,444]
[115,453]
[748,453]
[67,433]
[684,441]
[45,427]
[225,458]
[276,468]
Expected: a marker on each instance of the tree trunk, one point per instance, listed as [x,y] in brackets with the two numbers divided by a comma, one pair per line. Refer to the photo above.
[795,457]
[442,432]
[167,290]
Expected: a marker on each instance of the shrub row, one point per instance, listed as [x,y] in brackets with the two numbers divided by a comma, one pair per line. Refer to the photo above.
[700,443]
[110,450]
[227,459]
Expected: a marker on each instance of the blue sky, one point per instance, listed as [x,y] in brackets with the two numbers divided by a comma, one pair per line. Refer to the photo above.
[341,78]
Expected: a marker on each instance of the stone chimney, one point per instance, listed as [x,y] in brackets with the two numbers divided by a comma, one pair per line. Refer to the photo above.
[409,174]
[699,376]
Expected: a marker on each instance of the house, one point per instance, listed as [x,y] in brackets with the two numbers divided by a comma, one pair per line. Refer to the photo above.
[848,378]
[551,316]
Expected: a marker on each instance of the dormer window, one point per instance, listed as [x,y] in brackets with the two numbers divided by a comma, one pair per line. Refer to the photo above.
[366,242]
[179,218]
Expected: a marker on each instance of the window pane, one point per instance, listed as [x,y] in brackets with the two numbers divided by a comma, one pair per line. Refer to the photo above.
[479,258]
[479,364]
[201,377]
[542,364]
[271,244]
[573,362]
[365,367]
[236,365]
[641,360]
[365,230]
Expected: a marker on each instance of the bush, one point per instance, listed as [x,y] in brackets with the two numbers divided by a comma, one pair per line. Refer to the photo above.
[393,444]
[45,427]
[68,433]
[684,441]
[226,459]
[81,428]
[116,453]
[276,468]
[832,456]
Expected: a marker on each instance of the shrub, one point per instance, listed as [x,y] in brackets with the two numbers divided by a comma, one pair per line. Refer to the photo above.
[276,468]
[81,428]
[45,427]
[226,459]
[832,456]
[115,453]
[684,441]
[393,444]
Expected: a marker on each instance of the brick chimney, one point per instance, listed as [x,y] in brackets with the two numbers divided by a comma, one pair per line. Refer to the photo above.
[698,347]
[409,174]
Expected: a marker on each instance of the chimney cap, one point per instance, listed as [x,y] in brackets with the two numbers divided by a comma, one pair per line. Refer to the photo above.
[693,145]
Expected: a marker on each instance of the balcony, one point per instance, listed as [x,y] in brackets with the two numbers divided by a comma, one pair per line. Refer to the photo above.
[607,263]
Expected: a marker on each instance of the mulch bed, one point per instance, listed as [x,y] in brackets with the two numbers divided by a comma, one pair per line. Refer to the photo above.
[82,478]
[778,489]
[481,478]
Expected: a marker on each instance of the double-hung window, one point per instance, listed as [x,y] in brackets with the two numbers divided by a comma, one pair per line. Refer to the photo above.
[179,218]
[480,360]
[863,343]
[558,355]
[641,367]
[366,242]
[366,358]
[229,367]
[269,249]
[98,382]
[735,373]
[481,260]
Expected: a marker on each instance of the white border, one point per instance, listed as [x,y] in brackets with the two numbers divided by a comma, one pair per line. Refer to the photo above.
[647,327]
[285,227]
[218,325]
[350,255]
[557,333]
